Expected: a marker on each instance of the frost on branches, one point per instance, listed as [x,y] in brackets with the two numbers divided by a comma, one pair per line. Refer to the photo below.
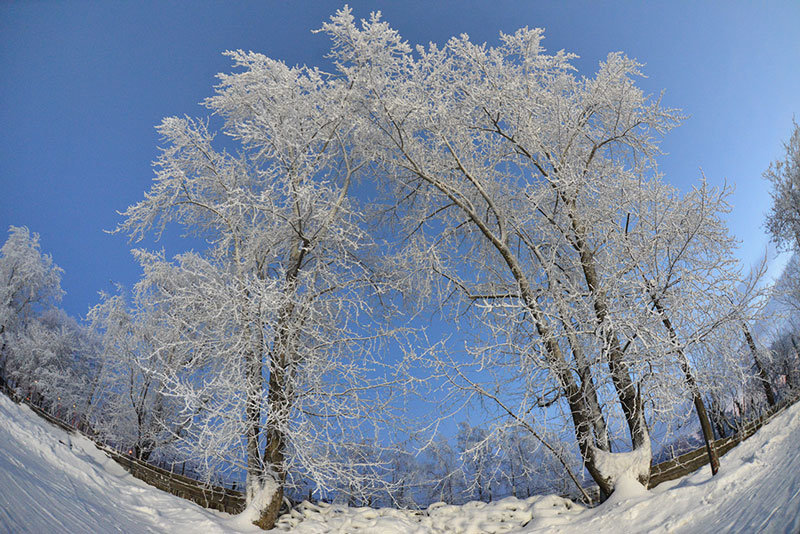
[273,326]
[533,194]
[525,203]
[45,355]
[131,404]
[30,284]
[783,220]
[29,281]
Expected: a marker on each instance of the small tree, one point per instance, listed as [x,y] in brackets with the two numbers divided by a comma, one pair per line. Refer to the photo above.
[131,406]
[30,283]
[783,220]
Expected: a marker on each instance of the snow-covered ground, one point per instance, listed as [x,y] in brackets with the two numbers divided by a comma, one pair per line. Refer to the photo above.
[55,482]
[51,481]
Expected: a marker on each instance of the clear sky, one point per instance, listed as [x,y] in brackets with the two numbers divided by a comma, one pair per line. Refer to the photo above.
[82,84]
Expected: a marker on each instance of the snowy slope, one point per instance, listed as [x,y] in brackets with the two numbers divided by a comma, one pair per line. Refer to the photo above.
[757,490]
[53,482]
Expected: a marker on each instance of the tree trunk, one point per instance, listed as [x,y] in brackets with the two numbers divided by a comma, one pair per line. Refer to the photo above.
[587,388]
[273,459]
[627,393]
[580,412]
[269,514]
[582,418]
[582,426]
[699,405]
[589,393]
[271,466]
[762,373]
[255,468]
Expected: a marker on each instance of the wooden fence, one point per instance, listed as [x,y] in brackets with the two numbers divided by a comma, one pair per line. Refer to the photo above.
[694,460]
[218,498]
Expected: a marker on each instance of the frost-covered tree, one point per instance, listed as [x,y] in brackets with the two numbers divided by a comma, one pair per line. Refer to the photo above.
[443,477]
[30,283]
[405,478]
[786,344]
[519,184]
[787,288]
[528,468]
[130,404]
[279,317]
[52,360]
[478,455]
[682,252]
[786,360]
[502,152]
[783,220]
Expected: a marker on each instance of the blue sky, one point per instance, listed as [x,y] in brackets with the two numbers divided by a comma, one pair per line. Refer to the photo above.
[84,83]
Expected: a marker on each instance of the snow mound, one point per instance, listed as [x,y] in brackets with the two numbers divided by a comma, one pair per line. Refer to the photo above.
[625,467]
[474,517]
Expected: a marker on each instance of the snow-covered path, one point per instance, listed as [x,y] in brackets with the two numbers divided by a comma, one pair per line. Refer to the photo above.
[53,482]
